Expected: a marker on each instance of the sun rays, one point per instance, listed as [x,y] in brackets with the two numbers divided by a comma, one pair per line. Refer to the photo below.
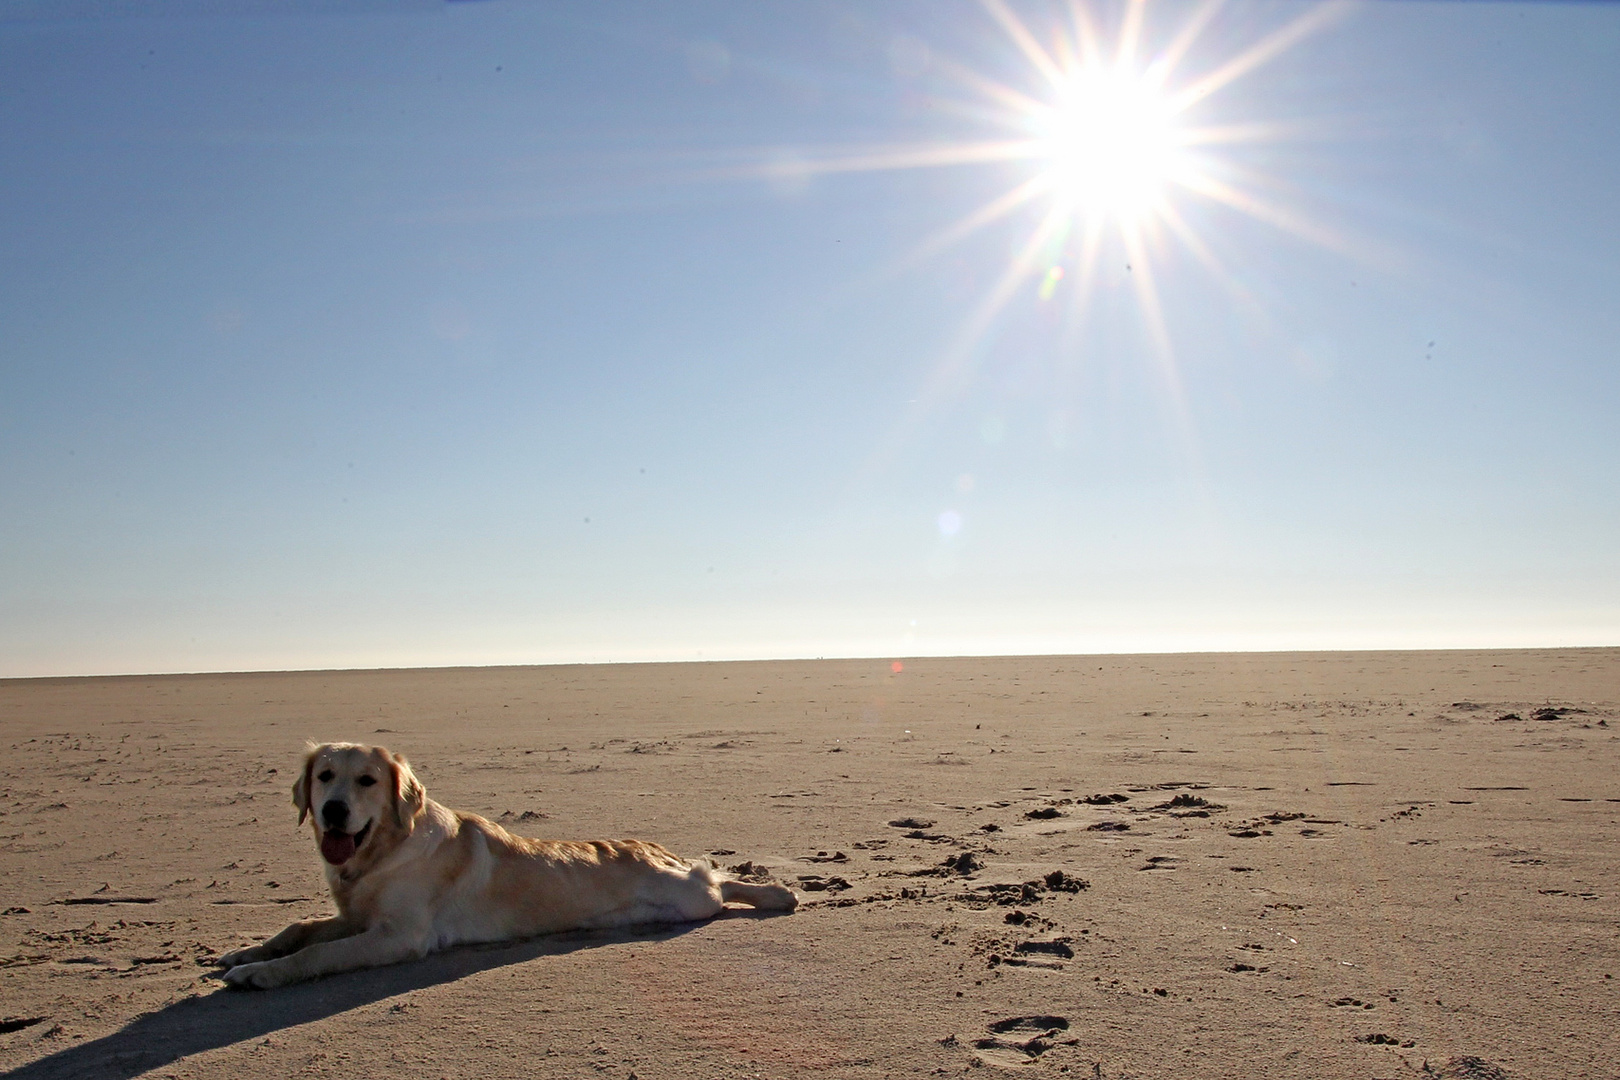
[1114,129]
[1115,147]
[1118,131]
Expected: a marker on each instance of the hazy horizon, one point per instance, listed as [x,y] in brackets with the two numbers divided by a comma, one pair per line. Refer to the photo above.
[371,335]
[892,663]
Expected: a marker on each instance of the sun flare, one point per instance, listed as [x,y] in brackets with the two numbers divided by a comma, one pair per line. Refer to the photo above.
[1110,143]
[1112,119]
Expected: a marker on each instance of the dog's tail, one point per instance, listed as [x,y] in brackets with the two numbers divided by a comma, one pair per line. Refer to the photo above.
[769,897]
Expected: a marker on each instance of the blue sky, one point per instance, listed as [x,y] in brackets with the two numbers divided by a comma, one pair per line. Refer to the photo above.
[394,335]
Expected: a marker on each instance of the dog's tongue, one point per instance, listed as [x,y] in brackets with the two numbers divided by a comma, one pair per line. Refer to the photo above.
[337,848]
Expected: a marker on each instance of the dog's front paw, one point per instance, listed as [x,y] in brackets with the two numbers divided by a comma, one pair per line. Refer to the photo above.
[243,956]
[256,976]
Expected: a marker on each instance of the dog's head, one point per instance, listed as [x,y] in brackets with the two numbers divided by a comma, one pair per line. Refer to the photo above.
[358,795]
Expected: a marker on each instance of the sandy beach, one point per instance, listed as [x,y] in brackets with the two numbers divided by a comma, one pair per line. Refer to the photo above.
[1312,865]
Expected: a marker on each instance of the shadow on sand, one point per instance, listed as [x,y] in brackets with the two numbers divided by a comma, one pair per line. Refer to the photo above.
[229,1016]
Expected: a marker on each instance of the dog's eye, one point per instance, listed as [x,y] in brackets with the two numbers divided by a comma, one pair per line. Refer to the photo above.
[325,776]
[366,781]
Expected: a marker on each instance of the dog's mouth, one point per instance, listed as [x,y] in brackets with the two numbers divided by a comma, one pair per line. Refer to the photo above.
[338,847]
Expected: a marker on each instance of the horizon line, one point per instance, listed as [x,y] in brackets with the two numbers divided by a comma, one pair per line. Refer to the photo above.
[884,657]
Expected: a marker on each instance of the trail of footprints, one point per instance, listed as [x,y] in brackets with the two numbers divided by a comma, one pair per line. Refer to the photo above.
[1024,937]
[1028,938]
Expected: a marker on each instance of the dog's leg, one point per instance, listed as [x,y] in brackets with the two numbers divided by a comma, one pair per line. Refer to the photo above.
[372,948]
[297,936]
[763,897]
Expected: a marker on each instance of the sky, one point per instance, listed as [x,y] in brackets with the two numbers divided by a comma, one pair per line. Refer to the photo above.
[369,334]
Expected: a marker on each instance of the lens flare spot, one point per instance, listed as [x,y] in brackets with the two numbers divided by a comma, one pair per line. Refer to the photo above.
[950,523]
[1049,283]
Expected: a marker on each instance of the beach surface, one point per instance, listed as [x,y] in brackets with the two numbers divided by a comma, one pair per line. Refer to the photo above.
[1216,865]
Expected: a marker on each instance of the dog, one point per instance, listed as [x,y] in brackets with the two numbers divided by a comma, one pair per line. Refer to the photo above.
[410,876]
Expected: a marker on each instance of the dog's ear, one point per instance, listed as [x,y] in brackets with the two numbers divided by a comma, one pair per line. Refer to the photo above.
[301,785]
[409,796]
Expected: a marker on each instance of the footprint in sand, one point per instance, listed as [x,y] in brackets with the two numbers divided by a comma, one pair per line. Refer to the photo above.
[1378,1038]
[1184,806]
[1466,1068]
[1030,892]
[822,856]
[18,1023]
[1017,1041]
[817,883]
[912,823]
[1059,947]
[965,862]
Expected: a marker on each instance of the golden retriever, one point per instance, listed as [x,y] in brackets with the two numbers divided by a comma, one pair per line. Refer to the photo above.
[410,876]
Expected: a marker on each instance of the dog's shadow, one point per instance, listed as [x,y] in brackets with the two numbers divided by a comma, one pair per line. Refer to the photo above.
[229,1016]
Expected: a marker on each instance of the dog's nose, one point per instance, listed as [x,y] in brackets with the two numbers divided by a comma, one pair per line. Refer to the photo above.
[334,812]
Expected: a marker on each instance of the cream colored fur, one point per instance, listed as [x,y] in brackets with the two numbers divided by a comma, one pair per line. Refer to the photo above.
[424,877]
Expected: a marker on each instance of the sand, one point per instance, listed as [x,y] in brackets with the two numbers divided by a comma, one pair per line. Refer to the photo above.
[1324,865]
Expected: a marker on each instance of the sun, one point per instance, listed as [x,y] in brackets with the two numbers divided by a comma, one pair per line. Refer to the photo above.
[1105,119]
[1110,144]
[1114,126]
